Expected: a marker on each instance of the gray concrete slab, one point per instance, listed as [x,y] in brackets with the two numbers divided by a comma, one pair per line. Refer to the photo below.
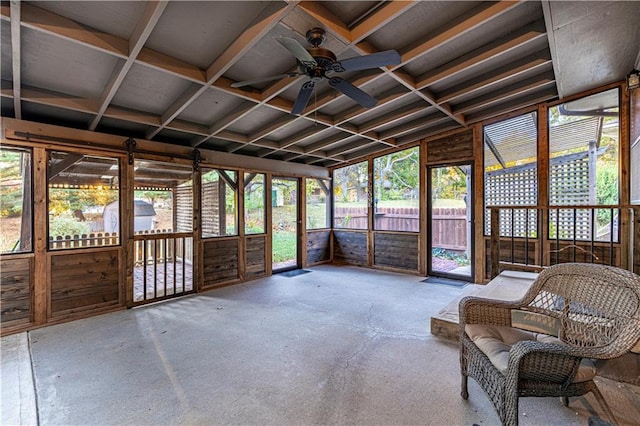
[339,345]
[17,391]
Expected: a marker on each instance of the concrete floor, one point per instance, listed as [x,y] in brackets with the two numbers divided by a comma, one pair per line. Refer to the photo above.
[339,345]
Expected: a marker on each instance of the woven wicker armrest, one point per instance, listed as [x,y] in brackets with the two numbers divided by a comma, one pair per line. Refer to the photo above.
[544,362]
[478,310]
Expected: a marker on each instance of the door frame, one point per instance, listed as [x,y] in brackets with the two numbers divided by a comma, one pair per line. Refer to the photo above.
[298,264]
[471,212]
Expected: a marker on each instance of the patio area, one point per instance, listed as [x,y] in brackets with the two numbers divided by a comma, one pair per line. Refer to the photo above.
[339,345]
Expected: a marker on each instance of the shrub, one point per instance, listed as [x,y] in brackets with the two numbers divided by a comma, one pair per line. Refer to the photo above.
[65,224]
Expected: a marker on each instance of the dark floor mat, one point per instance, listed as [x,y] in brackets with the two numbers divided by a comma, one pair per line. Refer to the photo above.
[293,273]
[444,281]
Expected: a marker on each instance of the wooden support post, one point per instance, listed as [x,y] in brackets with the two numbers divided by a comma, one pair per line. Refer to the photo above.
[636,240]
[423,255]
[543,182]
[242,243]
[127,214]
[42,285]
[626,227]
[268,225]
[478,205]
[370,214]
[495,242]
[302,222]
[198,273]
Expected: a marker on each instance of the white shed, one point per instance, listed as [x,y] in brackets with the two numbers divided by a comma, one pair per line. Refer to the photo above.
[144,214]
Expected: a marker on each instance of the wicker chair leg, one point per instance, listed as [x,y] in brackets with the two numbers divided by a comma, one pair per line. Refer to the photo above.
[510,409]
[464,393]
[565,400]
[604,405]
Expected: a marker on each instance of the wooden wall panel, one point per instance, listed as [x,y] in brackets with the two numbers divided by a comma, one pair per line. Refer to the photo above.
[83,280]
[16,279]
[255,256]
[220,261]
[350,247]
[318,246]
[396,250]
[457,147]
[520,255]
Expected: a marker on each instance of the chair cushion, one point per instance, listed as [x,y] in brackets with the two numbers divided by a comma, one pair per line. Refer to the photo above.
[496,342]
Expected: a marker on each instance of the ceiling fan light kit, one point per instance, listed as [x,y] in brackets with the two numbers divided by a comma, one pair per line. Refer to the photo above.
[317,61]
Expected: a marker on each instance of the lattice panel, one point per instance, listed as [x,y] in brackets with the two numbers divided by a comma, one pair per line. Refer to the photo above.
[184,209]
[210,209]
[512,187]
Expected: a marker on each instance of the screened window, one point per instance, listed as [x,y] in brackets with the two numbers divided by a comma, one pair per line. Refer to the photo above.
[511,173]
[254,203]
[583,166]
[318,207]
[396,188]
[219,202]
[15,200]
[84,200]
[163,197]
[350,196]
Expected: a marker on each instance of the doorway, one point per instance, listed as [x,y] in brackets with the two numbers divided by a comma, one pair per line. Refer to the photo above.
[285,224]
[450,221]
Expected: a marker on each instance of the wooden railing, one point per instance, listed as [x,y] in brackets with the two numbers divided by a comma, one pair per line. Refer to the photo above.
[535,237]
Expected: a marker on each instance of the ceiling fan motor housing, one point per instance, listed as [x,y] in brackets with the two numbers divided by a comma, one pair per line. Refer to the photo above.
[315,36]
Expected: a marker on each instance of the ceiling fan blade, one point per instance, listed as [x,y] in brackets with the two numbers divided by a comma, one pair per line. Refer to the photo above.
[353,92]
[297,50]
[264,79]
[375,60]
[303,97]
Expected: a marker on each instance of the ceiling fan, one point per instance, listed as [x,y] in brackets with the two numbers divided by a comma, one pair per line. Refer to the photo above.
[317,61]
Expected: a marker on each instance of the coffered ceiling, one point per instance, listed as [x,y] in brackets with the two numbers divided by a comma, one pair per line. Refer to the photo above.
[164,70]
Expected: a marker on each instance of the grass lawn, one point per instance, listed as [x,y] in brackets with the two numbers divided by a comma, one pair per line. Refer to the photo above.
[284,246]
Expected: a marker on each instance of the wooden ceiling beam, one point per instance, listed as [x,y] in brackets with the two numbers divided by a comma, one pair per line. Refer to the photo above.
[266,20]
[529,64]
[398,114]
[383,99]
[520,88]
[545,95]
[51,23]
[385,14]
[489,51]
[329,20]
[46,97]
[483,13]
[427,132]
[412,126]
[15,57]
[141,33]
[225,122]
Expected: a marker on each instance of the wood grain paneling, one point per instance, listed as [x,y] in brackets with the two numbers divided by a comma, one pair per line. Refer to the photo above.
[450,149]
[15,290]
[84,280]
[220,262]
[255,256]
[350,247]
[396,250]
[318,246]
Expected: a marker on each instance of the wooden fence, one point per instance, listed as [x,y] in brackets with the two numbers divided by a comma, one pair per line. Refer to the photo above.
[448,225]
[164,250]
[94,239]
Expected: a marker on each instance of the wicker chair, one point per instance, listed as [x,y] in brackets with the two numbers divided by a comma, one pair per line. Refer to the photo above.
[545,344]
